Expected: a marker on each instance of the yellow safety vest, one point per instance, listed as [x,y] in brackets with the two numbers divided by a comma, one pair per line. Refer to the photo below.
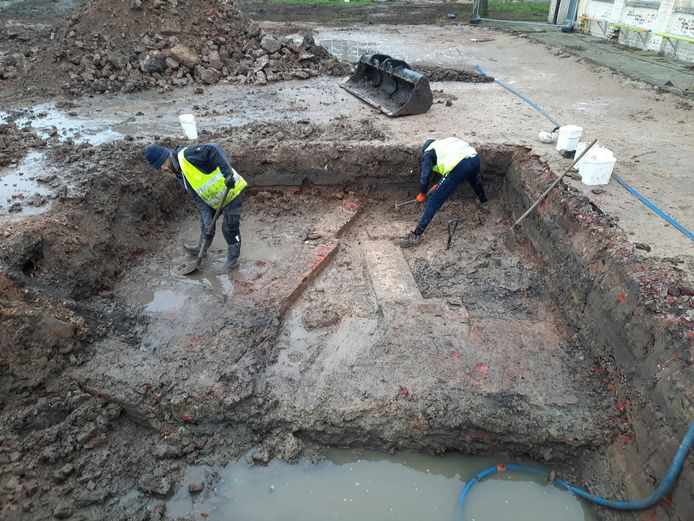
[450,152]
[210,187]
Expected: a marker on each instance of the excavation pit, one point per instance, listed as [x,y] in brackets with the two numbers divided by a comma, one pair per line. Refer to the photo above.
[328,335]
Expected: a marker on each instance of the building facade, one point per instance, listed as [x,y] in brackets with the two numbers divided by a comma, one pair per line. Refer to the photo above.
[665,26]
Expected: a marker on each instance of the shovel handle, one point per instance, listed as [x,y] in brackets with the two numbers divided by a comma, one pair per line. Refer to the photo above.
[551,187]
[206,243]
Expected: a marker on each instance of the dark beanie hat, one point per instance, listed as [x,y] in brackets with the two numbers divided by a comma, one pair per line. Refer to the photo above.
[156,155]
[426,144]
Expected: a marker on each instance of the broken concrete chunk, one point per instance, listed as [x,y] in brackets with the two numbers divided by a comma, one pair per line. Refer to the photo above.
[117,60]
[64,471]
[261,62]
[184,55]
[270,44]
[56,328]
[261,456]
[153,61]
[150,484]
[196,488]
[85,498]
[206,76]
[63,510]
[215,61]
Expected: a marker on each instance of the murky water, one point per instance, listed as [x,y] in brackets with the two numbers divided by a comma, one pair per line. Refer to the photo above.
[161,301]
[19,184]
[45,119]
[172,295]
[149,114]
[371,486]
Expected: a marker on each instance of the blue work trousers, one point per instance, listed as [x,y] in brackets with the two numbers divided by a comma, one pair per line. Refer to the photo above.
[232,218]
[467,170]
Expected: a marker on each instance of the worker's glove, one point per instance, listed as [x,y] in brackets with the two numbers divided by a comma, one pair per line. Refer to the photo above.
[229,182]
[421,198]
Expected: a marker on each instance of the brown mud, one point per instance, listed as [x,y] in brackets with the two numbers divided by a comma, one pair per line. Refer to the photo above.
[561,342]
[118,372]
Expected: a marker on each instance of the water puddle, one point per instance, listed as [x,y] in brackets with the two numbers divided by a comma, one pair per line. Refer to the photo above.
[161,301]
[259,245]
[45,119]
[373,486]
[20,190]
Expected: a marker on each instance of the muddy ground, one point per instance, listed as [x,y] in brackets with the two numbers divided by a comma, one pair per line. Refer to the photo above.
[145,354]
[565,342]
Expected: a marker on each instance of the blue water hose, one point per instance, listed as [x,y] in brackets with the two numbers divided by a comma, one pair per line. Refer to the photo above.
[653,207]
[651,501]
[514,91]
[621,181]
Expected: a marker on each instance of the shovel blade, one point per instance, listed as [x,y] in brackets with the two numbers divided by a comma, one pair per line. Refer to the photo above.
[192,267]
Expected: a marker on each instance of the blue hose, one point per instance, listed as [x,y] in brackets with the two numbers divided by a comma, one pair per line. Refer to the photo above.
[653,207]
[514,91]
[651,501]
[621,181]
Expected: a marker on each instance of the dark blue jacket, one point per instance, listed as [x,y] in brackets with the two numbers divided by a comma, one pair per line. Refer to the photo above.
[428,162]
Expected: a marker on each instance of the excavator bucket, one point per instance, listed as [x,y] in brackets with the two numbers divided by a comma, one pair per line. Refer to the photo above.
[390,85]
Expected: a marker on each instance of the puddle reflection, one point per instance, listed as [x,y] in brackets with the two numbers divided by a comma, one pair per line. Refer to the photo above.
[371,485]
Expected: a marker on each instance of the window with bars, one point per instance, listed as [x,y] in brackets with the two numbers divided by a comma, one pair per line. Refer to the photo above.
[684,6]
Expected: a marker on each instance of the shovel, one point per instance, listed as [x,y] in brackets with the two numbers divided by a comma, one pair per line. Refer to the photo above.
[398,204]
[452,225]
[193,266]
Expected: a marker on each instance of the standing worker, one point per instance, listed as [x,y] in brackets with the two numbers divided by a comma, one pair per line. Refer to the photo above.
[204,171]
[456,161]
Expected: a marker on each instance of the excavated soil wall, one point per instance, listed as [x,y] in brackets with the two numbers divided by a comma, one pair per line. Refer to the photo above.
[628,308]
[58,271]
[625,307]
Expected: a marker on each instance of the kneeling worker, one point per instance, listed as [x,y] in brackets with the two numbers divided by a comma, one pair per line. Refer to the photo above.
[456,161]
[204,171]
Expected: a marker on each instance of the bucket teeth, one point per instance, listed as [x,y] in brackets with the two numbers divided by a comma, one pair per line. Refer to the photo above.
[390,85]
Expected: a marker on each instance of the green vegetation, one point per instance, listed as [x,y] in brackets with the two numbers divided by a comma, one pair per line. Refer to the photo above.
[324,2]
[530,11]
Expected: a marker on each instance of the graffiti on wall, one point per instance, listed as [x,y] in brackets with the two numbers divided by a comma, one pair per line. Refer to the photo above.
[641,17]
[683,25]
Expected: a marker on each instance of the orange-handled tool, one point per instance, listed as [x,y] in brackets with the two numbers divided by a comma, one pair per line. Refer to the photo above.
[419,199]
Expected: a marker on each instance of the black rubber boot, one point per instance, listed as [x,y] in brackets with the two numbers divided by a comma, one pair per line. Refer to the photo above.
[409,241]
[233,254]
[194,249]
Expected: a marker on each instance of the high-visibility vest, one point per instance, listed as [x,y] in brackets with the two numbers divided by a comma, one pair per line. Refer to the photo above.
[210,187]
[449,152]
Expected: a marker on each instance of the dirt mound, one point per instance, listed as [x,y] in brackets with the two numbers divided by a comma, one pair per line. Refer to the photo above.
[302,130]
[467,76]
[15,142]
[139,44]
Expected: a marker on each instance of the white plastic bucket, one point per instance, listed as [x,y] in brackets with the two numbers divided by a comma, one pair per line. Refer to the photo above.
[579,150]
[190,129]
[596,167]
[568,138]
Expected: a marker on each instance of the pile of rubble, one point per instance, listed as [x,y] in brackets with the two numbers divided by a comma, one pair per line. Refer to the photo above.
[15,142]
[143,44]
